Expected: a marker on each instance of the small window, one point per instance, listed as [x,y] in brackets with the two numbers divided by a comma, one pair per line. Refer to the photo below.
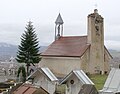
[72,81]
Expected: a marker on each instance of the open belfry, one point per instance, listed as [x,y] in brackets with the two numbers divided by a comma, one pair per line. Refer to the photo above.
[87,53]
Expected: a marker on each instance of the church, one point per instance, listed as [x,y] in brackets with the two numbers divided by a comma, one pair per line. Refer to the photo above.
[87,53]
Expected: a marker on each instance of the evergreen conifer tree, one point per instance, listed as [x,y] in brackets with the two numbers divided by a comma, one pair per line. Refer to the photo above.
[28,50]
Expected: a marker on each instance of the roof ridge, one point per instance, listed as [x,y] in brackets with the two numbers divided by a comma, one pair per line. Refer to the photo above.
[74,36]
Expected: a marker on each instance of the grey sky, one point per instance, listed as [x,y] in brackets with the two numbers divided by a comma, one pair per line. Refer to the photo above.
[14,15]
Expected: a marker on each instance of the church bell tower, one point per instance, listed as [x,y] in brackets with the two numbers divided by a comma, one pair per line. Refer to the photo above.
[58,27]
[96,40]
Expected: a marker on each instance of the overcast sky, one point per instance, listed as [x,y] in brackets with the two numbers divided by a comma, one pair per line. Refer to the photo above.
[14,15]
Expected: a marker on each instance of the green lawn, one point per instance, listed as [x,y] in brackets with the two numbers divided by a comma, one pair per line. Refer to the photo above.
[98,80]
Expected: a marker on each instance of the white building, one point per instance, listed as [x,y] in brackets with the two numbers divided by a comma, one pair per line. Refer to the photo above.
[75,80]
[44,78]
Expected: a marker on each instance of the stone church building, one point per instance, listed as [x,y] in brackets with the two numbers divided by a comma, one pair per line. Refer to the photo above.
[88,52]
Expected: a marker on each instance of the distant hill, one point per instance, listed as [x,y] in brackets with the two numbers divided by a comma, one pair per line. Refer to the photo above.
[114,53]
[9,50]
[115,62]
[42,48]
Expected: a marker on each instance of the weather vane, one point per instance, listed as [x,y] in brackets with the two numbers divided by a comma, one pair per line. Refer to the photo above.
[96,6]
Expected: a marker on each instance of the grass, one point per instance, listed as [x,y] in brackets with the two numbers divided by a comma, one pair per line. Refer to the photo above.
[98,80]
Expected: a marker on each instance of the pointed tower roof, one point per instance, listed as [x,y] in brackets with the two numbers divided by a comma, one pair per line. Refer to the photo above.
[59,20]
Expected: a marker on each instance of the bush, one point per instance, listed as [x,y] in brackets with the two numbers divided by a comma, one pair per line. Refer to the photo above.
[22,71]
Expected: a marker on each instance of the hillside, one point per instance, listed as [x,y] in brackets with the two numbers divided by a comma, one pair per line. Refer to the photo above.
[115,53]
[8,50]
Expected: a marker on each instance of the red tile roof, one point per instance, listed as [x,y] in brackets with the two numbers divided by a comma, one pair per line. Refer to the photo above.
[29,89]
[20,90]
[74,46]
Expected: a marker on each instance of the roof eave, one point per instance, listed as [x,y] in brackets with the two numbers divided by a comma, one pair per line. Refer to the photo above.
[108,52]
[60,56]
[66,77]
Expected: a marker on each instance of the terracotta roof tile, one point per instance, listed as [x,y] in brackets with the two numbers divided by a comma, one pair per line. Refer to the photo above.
[29,89]
[73,46]
[20,90]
